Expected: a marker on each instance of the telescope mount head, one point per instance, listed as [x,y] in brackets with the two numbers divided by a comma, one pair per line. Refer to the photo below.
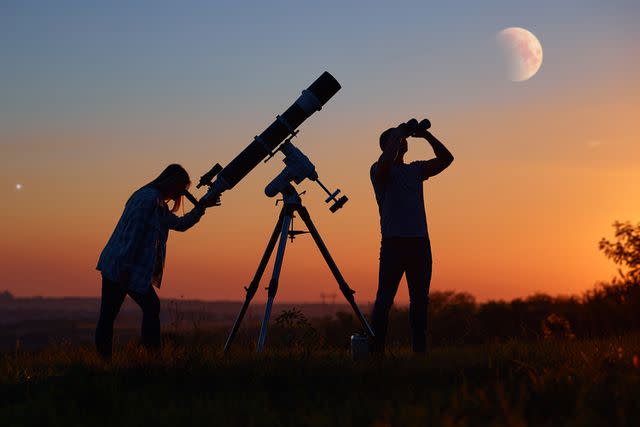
[298,168]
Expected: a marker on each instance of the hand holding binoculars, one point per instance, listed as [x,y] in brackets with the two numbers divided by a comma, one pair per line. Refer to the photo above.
[414,128]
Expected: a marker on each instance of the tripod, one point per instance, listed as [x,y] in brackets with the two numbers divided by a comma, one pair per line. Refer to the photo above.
[292,204]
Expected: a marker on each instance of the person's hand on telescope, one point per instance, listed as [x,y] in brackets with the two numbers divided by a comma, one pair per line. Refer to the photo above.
[210,201]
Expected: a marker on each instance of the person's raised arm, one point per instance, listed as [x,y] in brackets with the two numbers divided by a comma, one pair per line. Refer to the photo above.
[388,156]
[443,156]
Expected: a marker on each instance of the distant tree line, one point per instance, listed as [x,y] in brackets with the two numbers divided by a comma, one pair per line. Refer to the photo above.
[610,308]
[6,296]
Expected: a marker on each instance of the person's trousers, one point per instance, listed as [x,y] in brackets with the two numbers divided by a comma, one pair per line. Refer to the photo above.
[113,295]
[398,256]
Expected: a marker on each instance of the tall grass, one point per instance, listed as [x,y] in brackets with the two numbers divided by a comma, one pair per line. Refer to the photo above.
[190,382]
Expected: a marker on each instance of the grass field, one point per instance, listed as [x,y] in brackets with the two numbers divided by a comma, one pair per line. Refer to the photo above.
[544,383]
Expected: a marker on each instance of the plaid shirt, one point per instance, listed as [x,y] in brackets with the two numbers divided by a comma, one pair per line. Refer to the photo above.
[138,243]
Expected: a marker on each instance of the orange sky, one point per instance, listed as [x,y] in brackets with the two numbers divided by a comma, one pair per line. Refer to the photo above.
[536,182]
[98,99]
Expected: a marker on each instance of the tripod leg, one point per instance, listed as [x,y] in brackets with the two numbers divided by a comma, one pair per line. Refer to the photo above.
[253,286]
[346,290]
[273,284]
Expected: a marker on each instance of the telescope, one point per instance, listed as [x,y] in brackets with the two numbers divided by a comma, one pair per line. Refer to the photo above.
[311,100]
[277,138]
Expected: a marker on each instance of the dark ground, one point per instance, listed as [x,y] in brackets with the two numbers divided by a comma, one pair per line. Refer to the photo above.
[539,361]
[546,383]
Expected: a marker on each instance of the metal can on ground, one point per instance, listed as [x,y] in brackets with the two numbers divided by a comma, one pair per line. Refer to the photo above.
[359,347]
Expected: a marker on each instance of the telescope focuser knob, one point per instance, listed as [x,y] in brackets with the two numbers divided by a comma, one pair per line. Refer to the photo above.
[208,177]
[338,204]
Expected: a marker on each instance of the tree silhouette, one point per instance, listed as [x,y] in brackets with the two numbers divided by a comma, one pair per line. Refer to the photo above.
[624,250]
[6,296]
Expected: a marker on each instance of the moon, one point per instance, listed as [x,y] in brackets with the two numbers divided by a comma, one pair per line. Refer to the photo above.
[18,187]
[522,53]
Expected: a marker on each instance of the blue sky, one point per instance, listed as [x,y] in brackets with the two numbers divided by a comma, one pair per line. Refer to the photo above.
[75,61]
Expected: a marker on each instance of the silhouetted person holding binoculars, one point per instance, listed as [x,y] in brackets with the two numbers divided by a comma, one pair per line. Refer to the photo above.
[405,247]
[132,262]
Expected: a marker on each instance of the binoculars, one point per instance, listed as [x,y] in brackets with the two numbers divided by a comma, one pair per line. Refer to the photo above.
[412,126]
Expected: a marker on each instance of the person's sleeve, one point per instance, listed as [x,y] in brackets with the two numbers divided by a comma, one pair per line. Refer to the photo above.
[183,223]
[141,210]
[422,169]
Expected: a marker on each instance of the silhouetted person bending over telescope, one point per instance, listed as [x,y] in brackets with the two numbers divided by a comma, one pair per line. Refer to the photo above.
[405,245]
[132,262]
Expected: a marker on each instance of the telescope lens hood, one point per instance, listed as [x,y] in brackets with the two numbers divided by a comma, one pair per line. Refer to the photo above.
[324,87]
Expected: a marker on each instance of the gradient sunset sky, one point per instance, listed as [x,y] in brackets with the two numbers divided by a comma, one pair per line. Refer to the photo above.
[98,97]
